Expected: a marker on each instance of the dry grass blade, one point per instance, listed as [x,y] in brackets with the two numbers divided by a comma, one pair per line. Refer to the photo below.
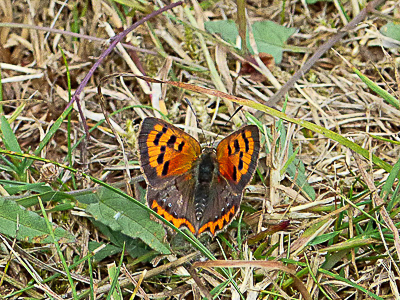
[39,264]
[268,265]
[152,272]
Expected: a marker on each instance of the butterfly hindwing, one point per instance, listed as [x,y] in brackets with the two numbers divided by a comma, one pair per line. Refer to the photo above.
[165,151]
[223,207]
[175,201]
[237,156]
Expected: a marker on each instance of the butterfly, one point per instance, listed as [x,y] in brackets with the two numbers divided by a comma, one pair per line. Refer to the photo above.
[200,189]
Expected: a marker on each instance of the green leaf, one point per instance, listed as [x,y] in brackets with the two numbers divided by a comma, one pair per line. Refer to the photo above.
[294,166]
[17,222]
[115,290]
[323,238]
[122,215]
[377,89]
[389,183]
[297,171]
[31,200]
[108,250]
[227,29]
[135,247]
[7,169]
[391,30]
[14,187]
[269,36]
[8,136]
[11,143]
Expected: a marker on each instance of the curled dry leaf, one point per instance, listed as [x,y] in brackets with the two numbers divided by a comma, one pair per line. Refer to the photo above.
[248,69]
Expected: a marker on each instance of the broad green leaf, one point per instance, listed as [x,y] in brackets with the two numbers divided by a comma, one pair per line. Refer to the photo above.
[269,36]
[17,222]
[227,29]
[391,30]
[11,143]
[122,215]
[135,247]
[108,250]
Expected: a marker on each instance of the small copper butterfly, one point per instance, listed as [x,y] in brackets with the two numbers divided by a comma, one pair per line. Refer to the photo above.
[195,188]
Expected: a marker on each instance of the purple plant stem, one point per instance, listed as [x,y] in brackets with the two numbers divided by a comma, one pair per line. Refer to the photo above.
[118,38]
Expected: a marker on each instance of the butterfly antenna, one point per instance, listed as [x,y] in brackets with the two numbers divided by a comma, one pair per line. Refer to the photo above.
[195,116]
[236,111]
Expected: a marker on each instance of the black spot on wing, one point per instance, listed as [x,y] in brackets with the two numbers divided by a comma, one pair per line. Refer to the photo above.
[180,147]
[171,141]
[246,141]
[236,145]
[159,135]
[240,165]
[234,174]
[165,168]
[160,158]
[157,138]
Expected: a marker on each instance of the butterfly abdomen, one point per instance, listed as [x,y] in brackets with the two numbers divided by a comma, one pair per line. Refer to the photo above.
[205,176]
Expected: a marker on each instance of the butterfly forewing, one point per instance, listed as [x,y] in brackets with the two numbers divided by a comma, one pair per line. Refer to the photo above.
[237,156]
[165,151]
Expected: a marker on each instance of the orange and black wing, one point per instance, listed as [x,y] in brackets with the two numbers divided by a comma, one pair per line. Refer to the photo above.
[237,157]
[165,151]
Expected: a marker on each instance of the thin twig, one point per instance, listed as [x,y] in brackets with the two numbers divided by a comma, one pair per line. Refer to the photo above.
[321,50]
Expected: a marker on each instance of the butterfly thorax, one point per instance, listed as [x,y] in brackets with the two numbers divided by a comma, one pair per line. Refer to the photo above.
[206,174]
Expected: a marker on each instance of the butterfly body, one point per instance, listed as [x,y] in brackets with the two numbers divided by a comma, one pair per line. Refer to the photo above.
[206,174]
[194,188]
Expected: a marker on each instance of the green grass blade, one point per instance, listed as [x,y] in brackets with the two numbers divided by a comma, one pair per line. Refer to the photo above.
[381,92]
[60,253]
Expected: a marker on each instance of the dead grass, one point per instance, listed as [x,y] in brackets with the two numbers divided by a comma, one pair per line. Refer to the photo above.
[339,242]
